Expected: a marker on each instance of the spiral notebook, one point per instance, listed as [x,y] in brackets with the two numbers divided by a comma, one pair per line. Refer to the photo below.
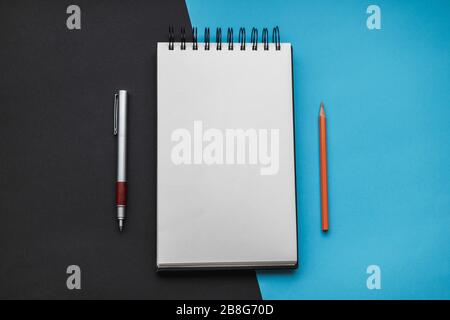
[226,190]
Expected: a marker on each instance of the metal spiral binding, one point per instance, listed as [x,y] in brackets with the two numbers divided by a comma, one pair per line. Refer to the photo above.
[219,39]
[194,39]
[230,39]
[171,38]
[242,38]
[207,39]
[254,39]
[276,38]
[265,38]
[183,39]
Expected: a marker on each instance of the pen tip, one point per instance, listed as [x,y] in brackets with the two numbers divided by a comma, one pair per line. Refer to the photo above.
[120,225]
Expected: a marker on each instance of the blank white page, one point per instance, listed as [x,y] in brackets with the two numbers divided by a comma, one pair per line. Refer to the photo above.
[213,213]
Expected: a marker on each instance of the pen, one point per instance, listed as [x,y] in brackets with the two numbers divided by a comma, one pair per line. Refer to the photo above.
[120,130]
[323,167]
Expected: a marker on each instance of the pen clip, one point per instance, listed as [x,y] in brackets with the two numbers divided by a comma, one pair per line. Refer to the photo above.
[116,107]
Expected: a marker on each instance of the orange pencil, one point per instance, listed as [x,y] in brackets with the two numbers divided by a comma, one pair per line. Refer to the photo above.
[323,167]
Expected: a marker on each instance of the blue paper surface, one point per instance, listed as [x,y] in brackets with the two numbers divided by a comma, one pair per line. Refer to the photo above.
[387,98]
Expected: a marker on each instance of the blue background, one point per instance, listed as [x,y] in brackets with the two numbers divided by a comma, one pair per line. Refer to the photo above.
[387,95]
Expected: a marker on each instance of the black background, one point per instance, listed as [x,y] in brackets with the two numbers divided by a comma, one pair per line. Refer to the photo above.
[58,154]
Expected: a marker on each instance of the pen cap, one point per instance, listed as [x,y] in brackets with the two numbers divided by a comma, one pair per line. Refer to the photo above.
[122,113]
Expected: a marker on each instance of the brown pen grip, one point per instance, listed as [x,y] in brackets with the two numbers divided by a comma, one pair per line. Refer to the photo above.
[121,193]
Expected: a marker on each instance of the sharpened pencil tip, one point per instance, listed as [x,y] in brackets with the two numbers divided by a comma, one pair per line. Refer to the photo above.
[322,109]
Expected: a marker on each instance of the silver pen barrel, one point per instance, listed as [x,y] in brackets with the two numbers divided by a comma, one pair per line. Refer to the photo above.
[120,129]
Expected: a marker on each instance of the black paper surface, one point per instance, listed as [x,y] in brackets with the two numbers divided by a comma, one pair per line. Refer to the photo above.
[58,154]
